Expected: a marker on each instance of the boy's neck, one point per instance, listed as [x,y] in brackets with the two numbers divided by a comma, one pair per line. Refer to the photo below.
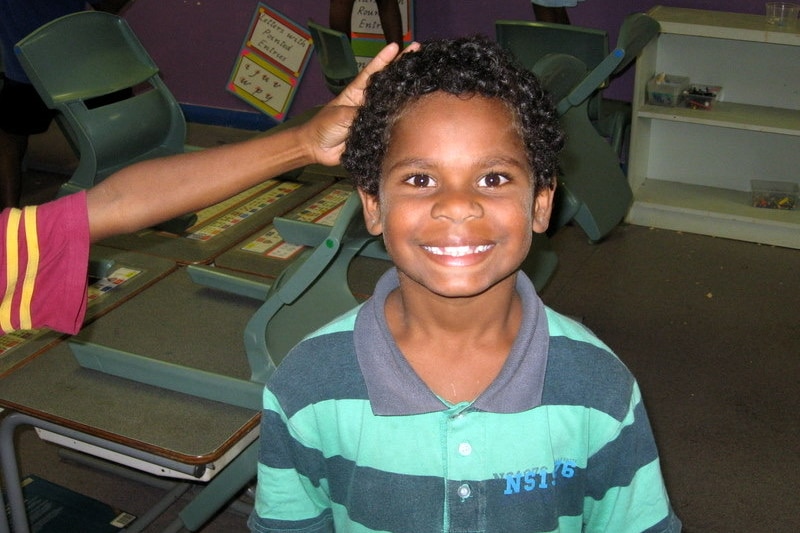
[456,345]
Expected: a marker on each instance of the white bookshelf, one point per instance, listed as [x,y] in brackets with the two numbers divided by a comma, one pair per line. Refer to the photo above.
[690,170]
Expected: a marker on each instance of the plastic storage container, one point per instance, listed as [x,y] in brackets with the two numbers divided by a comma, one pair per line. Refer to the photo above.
[699,96]
[774,194]
[666,89]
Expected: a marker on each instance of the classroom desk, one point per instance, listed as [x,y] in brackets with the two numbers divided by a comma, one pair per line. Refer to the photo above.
[188,325]
[129,273]
[226,223]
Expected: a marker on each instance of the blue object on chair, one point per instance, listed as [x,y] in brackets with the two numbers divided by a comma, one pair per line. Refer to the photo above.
[336,56]
[79,62]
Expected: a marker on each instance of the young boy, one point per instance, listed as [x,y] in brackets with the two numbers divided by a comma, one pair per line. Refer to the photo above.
[453,399]
[44,250]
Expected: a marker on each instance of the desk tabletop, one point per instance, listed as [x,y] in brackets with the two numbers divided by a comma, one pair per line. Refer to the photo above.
[126,273]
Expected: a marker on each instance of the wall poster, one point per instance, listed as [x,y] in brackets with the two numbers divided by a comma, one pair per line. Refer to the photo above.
[271,62]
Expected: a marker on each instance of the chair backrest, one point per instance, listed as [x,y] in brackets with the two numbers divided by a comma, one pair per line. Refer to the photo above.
[310,293]
[531,41]
[559,74]
[335,56]
[81,62]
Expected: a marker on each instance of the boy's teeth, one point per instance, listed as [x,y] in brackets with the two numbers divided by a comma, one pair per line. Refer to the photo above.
[457,251]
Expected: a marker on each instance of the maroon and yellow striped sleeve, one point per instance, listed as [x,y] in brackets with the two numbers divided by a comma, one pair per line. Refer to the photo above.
[45,255]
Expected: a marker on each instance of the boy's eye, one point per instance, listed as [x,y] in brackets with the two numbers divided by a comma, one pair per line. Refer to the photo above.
[420,180]
[493,179]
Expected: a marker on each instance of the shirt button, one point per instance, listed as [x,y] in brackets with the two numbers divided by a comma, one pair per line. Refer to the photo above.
[465,448]
[464,491]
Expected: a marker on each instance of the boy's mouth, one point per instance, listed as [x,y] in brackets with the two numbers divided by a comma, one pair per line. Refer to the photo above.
[457,251]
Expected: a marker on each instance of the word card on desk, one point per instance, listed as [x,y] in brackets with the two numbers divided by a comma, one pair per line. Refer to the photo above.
[218,218]
[267,253]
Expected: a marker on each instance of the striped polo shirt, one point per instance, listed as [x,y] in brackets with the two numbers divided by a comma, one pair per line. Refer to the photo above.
[353,440]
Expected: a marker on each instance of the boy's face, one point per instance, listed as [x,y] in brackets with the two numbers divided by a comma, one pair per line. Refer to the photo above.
[456,204]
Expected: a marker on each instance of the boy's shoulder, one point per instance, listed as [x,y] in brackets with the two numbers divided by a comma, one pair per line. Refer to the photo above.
[323,366]
[583,370]
[566,327]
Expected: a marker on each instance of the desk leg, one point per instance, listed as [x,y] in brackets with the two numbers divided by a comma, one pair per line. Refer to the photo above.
[219,491]
[8,462]
[11,477]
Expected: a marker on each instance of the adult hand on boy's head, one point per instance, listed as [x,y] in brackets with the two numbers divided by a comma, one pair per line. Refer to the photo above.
[329,127]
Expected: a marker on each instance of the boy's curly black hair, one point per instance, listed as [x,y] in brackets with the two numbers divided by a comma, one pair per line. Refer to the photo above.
[466,66]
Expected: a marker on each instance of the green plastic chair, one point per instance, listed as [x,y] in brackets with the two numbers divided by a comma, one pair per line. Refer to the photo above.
[80,62]
[593,190]
[336,56]
[530,41]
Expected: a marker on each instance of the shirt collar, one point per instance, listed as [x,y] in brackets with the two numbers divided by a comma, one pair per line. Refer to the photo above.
[395,388]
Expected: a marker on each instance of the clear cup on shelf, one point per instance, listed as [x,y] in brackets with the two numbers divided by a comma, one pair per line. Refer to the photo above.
[782,14]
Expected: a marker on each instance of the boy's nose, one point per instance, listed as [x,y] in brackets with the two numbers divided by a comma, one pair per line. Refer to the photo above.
[457,206]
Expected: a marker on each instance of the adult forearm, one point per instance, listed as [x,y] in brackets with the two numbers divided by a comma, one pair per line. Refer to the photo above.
[150,192]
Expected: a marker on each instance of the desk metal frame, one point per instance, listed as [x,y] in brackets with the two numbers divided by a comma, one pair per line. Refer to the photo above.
[192,517]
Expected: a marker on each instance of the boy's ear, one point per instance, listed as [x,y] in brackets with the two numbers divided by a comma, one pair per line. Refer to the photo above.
[372,212]
[543,208]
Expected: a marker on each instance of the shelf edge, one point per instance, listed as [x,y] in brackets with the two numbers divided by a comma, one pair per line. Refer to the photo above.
[722,225]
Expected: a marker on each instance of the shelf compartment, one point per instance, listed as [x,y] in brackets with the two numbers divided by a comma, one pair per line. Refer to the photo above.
[712,211]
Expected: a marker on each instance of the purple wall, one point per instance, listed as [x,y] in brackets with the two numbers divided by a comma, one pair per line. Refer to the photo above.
[195,42]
